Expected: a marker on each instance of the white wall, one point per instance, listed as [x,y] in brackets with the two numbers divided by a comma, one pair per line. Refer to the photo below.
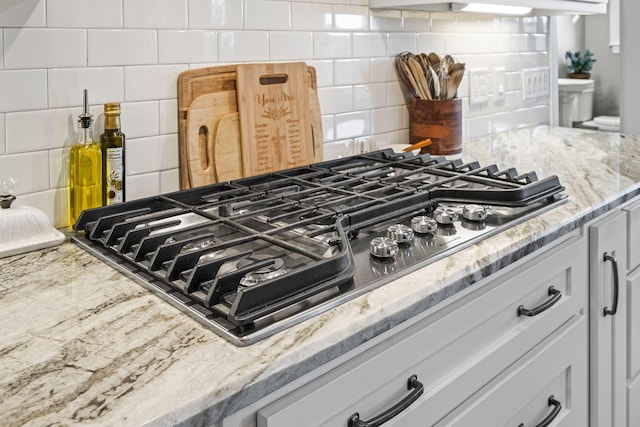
[132,51]
[592,31]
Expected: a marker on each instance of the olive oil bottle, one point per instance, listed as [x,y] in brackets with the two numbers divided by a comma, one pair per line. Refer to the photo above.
[85,174]
[112,142]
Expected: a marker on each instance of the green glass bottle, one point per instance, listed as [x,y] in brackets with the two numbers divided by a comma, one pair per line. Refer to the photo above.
[113,155]
[85,174]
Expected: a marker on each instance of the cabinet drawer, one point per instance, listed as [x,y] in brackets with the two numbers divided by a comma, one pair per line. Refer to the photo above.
[454,352]
[521,395]
[633,326]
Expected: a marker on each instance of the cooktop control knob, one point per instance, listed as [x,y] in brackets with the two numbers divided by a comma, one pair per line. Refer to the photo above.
[383,247]
[445,216]
[423,224]
[400,233]
[474,212]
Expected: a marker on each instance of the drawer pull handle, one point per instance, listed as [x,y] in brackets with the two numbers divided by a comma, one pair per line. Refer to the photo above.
[555,297]
[616,284]
[412,384]
[552,415]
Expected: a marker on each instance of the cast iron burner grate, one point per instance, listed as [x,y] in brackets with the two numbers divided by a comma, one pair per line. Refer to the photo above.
[253,256]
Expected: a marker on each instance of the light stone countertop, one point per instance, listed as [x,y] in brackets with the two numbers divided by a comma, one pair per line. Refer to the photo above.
[80,344]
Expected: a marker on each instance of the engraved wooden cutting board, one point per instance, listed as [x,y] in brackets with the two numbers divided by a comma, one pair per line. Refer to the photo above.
[208,127]
[273,105]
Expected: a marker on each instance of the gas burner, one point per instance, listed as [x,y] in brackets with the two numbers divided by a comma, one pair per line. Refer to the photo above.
[474,212]
[445,216]
[271,271]
[423,224]
[194,246]
[251,257]
[400,233]
[383,247]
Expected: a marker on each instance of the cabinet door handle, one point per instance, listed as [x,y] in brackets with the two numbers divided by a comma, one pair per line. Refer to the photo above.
[616,284]
[555,297]
[412,384]
[552,415]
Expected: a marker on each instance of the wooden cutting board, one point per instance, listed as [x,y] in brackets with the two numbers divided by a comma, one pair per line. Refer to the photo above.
[205,120]
[203,117]
[273,104]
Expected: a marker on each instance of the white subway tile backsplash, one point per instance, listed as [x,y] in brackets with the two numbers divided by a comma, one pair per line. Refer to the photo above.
[479,126]
[351,71]
[324,71]
[479,43]
[216,14]
[187,46]
[350,18]
[311,17]
[168,116]
[383,70]
[155,13]
[132,51]
[22,13]
[290,45]
[44,48]
[416,21]
[337,150]
[386,20]
[65,85]
[328,128]
[59,167]
[140,119]
[443,22]
[397,94]
[122,47]
[34,131]
[369,45]
[430,42]
[370,96]
[241,46]
[386,119]
[169,181]
[145,155]
[23,90]
[84,13]
[267,15]
[401,42]
[332,45]
[354,124]
[336,99]
[151,82]
[141,186]
[31,170]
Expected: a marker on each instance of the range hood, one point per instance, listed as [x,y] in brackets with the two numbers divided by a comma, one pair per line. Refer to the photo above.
[502,7]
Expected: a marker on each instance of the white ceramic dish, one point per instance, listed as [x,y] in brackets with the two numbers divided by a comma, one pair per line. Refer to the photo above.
[399,148]
[24,229]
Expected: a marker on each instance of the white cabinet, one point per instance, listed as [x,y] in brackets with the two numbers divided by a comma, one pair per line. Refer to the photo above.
[615,318]
[479,357]
[540,7]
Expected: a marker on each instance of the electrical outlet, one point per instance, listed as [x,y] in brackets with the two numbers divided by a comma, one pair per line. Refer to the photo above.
[478,85]
[535,82]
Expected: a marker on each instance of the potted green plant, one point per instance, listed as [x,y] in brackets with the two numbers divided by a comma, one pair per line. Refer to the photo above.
[580,64]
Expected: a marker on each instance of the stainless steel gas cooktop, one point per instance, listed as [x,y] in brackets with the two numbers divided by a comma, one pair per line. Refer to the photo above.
[251,257]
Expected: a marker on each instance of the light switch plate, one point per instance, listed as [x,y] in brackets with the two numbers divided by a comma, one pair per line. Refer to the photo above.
[478,85]
[535,82]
